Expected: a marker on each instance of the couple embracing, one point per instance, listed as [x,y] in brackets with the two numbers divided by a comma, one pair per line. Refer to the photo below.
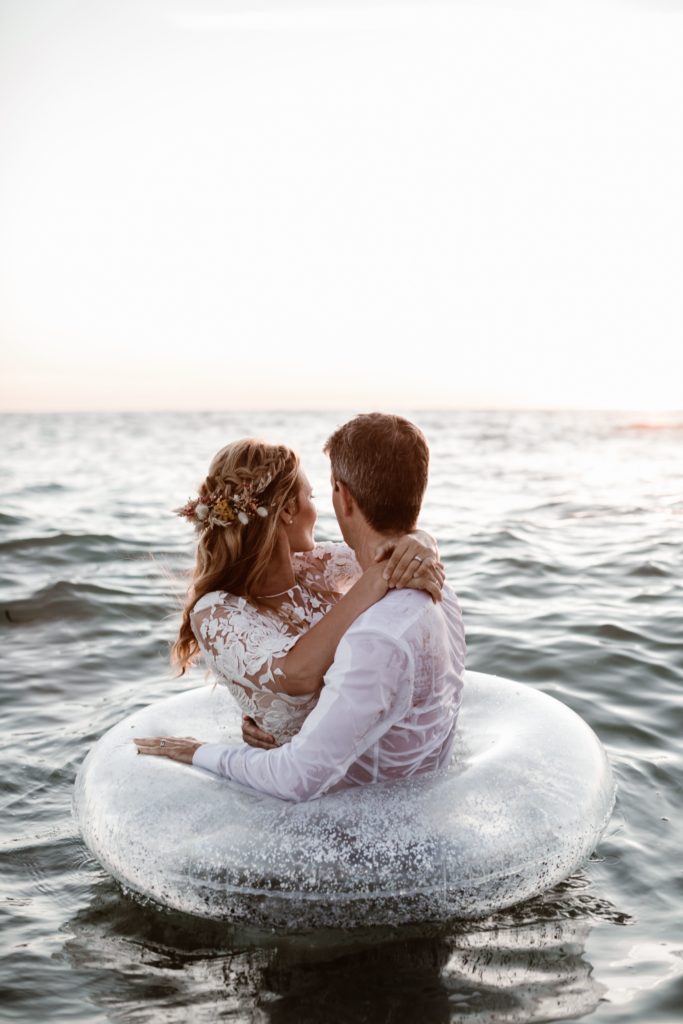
[347,659]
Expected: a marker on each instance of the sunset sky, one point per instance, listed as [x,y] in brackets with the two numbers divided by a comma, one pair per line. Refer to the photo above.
[286,204]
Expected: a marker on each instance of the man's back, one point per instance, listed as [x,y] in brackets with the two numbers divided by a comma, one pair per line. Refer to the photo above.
[426,689]
[388,708]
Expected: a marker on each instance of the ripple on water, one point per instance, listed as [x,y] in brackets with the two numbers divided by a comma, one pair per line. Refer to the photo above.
[562,535]
[66,601]
[71,548]
[517,966]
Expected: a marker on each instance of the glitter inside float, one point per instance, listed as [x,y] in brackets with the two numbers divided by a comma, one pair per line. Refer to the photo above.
[522,805]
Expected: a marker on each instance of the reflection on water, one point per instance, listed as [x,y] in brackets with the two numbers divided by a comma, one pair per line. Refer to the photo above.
[524,965]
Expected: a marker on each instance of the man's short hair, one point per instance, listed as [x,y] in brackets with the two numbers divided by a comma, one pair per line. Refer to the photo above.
[384,462]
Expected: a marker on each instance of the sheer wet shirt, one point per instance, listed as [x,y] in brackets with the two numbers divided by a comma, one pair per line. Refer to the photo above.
[388,708]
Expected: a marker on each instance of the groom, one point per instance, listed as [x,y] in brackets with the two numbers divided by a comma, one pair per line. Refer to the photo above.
[391,697]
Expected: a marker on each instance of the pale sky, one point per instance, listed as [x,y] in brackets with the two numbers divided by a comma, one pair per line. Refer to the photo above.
[230,205]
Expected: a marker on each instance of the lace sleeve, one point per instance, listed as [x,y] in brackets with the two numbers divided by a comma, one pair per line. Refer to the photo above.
[329,566]
[239,643]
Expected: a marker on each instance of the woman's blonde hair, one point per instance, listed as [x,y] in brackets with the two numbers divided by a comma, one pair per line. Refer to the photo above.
[236,557]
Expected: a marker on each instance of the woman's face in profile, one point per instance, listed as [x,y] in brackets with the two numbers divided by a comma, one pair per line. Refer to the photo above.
[300,531]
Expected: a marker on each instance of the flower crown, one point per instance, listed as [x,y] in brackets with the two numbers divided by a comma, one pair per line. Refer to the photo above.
[221,509]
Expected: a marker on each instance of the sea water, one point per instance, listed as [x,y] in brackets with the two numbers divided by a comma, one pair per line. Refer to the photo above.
[562,534]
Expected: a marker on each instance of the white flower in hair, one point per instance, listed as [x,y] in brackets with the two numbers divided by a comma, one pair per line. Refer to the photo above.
[225,507]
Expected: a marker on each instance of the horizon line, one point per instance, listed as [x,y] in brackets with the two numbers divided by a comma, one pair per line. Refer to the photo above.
[342,408]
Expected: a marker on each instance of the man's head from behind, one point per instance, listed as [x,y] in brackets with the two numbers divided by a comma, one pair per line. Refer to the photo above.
[382,461]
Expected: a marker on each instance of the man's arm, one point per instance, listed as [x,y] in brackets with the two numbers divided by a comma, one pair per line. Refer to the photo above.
[368,688]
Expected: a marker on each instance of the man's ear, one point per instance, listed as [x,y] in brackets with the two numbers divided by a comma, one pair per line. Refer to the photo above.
[348,502]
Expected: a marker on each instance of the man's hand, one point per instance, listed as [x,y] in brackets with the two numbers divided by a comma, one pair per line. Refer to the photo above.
[177,748]
[256,737]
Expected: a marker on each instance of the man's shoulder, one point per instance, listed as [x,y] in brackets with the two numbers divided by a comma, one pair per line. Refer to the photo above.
[401,610]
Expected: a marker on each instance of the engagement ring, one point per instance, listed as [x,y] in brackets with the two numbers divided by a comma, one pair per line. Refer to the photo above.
[162,743]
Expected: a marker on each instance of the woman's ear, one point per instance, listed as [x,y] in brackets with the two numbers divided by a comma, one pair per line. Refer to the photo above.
[289,510]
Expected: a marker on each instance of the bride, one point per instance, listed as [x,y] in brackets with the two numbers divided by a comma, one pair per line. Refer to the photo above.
[266,605]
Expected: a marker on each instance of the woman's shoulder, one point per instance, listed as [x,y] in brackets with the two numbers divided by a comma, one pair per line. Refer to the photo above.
[220,610]
[229,611]
[325,549]
[219,616]
[330,564]
[218,598]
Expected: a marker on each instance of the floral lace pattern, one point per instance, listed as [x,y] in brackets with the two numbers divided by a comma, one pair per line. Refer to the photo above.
[329,566]
[245,646]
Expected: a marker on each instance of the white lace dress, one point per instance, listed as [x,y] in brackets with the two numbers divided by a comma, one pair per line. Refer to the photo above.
[244,646]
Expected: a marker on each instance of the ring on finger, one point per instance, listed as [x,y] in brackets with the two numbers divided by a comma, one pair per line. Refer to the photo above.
[162,743]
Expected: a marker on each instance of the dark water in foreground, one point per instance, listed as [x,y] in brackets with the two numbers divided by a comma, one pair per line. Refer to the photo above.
[562,534]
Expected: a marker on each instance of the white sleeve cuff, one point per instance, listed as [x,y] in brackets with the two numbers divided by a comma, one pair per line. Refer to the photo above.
[208,756]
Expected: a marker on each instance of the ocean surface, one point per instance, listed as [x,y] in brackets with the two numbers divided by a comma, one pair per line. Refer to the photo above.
[562,534]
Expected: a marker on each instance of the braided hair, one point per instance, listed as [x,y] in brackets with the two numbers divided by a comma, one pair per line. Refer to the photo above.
[236,559]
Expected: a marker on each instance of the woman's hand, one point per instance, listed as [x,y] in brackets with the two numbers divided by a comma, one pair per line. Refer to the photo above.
[177,748]
[412,563]
[431,581]
[374,581]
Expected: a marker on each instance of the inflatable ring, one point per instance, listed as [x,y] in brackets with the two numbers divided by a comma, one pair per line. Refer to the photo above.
[522,805]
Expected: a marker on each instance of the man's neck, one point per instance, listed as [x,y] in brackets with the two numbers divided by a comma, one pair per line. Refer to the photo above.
[366,544]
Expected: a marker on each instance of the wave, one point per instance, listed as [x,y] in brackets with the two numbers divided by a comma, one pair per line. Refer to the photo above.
[6,519]
[65,601]
[50,488]
[72,547]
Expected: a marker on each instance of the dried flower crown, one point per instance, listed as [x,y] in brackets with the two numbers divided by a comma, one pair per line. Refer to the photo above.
[223,508]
